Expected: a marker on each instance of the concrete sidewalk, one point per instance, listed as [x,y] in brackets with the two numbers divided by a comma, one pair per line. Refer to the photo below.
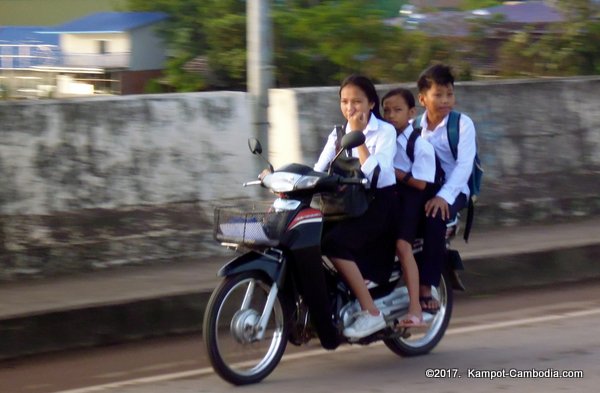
[136,302]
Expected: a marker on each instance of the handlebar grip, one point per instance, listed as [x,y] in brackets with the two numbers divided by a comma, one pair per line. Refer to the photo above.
[346,180]
[252,183]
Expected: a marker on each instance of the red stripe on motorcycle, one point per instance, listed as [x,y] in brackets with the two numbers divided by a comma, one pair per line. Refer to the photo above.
[306,214]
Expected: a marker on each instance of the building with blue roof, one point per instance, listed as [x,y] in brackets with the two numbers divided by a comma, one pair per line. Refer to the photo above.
[527,13]
[101,53]
[108,22]
[511,16]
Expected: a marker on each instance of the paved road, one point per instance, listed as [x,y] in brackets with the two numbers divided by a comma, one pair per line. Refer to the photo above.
[537,330]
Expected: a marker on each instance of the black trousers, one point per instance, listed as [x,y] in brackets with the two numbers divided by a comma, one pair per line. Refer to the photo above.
[434,244]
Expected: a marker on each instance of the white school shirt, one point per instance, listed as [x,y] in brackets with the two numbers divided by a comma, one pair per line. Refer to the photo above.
[380,138]
[423,168]
[457,171]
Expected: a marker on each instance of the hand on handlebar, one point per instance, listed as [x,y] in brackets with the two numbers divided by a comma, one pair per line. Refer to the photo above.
[353,180]
[264,173]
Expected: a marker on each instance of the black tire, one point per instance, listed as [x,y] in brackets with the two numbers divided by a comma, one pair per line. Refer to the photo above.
[231,346]
[421,341]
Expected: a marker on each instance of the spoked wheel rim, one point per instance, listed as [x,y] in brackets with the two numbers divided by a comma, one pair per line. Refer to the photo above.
[236,329]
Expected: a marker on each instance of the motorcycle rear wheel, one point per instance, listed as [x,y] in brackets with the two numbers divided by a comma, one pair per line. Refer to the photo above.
[421,341]
[229,329]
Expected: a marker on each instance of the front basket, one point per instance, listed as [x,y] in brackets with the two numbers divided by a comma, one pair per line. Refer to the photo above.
[255,225]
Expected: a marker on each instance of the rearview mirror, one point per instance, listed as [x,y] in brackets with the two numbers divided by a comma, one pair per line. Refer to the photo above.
[349,141]
[255,146]
[353,139]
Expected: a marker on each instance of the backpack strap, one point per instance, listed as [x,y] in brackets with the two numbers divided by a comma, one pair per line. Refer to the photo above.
[470,216]
[375,177]
[410,144]
[340,131]
[417,122]
[453,128]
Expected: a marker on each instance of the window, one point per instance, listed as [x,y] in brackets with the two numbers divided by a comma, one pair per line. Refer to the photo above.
[102,46]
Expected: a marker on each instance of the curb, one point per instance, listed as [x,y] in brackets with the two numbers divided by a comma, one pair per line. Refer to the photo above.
[107,324]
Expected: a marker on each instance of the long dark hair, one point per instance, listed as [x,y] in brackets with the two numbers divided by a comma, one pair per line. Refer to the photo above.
[365,84]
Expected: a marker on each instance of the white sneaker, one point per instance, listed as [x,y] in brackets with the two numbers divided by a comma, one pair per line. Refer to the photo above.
[365,324]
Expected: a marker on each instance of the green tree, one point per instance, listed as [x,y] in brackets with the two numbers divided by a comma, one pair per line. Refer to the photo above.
[578,40]
[323,43]
[516,56]
[212,29]
[315,43]
[569,48]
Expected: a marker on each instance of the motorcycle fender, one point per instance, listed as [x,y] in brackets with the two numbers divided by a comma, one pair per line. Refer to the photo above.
[454,260]
[252,261]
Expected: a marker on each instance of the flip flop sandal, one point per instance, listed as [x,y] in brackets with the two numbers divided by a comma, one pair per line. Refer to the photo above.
[426,308]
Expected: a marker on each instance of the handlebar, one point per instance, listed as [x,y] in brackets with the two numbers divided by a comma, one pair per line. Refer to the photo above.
[252,183]
[346,180]
[330,182]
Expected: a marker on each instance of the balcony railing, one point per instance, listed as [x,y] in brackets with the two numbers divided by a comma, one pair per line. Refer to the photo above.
[103,60]
[19,56]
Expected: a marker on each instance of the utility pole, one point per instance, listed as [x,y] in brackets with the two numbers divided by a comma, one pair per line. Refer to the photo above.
[259,66]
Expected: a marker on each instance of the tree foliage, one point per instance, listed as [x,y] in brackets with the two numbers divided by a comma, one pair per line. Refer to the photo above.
[318,42]
[315,42]
[210,29]
[566,49]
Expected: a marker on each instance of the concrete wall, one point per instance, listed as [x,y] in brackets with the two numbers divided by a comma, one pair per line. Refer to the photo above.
[539,142]
[113,181]
[103,182]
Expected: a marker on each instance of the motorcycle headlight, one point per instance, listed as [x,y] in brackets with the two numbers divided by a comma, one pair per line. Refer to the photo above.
[306,182]
[286,181]
[281,181]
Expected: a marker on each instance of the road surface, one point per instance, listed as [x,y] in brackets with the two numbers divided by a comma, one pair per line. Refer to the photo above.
[507,341]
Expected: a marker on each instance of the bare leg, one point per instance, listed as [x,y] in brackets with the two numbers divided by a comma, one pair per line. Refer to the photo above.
[411,276]
[355,280]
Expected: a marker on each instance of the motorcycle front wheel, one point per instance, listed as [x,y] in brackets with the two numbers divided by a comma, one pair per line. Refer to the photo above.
[233,343]
[420,341]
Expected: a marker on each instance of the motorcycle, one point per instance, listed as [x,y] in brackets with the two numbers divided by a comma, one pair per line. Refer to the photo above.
[281,289]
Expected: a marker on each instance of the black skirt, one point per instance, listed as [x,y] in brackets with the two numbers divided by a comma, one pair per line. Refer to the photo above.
[368,240]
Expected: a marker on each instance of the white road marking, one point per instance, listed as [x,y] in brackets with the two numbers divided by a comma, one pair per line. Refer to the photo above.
[318,352]
[523,321]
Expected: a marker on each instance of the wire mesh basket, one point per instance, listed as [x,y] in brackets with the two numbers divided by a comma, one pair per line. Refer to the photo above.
[254,225]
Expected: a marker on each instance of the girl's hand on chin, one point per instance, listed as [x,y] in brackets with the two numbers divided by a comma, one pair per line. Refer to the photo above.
[358,121]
